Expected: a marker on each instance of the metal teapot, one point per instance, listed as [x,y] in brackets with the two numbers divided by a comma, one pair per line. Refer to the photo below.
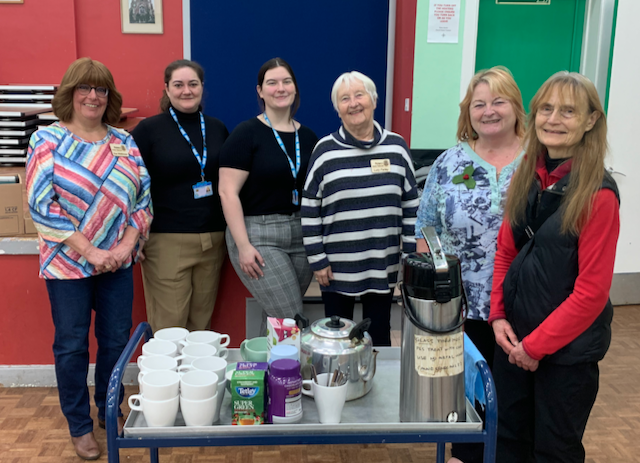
[334,342]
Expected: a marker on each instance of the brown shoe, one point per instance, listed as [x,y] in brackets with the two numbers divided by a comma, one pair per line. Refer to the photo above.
[86,446]
[103,424]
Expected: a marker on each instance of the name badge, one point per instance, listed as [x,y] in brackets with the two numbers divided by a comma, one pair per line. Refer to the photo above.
[119,150]
[380,165]
[202,190]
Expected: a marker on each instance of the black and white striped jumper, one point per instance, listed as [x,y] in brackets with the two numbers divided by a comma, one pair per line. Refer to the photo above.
[355,219]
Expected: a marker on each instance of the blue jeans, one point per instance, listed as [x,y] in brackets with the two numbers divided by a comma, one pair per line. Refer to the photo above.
[110,295]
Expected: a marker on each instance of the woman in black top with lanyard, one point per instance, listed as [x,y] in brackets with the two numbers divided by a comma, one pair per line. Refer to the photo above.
[186,250]
[262,172]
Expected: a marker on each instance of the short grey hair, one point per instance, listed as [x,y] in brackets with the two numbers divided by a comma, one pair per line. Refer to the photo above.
[348,78]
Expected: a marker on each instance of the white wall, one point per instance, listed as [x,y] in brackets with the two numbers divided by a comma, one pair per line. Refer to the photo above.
[623,122]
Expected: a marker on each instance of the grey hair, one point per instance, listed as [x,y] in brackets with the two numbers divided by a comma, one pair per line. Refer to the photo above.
[348,78]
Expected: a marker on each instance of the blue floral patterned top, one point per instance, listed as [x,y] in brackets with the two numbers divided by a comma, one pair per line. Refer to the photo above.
[467,220]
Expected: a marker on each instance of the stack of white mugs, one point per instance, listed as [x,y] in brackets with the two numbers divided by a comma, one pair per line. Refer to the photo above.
[182,370]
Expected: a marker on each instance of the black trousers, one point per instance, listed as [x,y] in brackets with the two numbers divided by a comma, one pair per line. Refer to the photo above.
[481,334]
[542,415]
[375,306]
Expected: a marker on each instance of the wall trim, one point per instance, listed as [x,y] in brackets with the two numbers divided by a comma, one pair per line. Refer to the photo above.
[186,29]
[625,289]
[469,44]
[391,53]
[45,375]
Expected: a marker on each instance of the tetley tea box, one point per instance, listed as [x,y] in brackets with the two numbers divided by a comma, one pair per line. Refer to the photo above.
[248,397]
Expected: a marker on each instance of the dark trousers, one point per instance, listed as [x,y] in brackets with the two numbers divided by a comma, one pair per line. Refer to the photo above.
[542,415]
[481,334]
[110,295]
[375,306]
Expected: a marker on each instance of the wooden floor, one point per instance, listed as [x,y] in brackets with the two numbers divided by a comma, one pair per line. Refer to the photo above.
[33,430]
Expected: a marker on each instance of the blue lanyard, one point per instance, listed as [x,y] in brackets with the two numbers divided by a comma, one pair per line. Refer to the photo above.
[201,160]
[294,169]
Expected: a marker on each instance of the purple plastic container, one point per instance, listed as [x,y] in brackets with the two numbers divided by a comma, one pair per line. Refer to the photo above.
[285,391]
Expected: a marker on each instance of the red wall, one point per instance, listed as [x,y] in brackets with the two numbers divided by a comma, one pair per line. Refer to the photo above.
[38,41]
[40,38]
[26,329]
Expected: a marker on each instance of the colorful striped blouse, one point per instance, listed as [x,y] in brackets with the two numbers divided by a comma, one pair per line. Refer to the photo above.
[359,210]
[77,185]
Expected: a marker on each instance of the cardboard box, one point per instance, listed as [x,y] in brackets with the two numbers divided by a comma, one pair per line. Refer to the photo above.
[11,214]
[248,397]
[279,332]
[29,227]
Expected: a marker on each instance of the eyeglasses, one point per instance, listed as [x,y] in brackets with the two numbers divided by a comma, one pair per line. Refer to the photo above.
[565,111]
[85,89]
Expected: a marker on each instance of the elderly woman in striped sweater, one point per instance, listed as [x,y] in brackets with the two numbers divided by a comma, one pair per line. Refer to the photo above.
[359,208]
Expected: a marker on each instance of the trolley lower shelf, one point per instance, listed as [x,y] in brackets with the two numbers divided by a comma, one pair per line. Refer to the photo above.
[373,418]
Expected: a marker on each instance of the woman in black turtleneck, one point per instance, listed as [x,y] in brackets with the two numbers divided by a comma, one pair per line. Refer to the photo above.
[186,246]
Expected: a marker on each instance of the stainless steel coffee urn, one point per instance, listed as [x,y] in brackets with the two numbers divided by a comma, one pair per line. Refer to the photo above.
[432,362]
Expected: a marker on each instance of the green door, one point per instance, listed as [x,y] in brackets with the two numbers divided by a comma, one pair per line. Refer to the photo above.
[532,40]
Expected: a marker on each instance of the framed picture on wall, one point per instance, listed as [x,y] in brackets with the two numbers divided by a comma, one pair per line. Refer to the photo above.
[141,16]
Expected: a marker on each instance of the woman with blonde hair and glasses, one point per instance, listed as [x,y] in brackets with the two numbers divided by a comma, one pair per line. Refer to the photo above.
[550,307]
[464,197]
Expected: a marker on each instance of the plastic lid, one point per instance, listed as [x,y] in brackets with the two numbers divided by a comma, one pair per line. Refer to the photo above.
[285,367]
[289,322]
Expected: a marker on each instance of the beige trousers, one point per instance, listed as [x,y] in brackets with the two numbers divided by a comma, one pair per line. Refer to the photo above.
[180,274]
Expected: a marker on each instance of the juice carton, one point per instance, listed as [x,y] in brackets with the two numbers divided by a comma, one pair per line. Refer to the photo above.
[248,397]
[282,331]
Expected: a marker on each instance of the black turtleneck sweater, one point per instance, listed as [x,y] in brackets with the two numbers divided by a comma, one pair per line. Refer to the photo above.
[174,170]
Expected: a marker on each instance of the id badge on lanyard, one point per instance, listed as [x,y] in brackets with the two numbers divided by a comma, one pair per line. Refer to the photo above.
[203,188]
[294,169]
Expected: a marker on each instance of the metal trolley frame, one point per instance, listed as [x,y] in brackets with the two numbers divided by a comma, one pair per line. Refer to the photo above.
[303,435]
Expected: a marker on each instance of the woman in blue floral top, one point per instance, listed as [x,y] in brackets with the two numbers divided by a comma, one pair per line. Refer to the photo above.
[464,198]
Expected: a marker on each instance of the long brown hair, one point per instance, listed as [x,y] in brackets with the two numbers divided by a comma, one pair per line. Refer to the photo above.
[86,71]
[587,170]
[500,82]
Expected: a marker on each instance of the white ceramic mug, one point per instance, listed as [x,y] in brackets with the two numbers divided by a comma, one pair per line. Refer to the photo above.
[222,388]
[214,364]
[329,400]
[174,334]
[198,385]
[160,384]
[195,351]
[199,412]
[156,412]
[155,363]
[157,347]
[217,340]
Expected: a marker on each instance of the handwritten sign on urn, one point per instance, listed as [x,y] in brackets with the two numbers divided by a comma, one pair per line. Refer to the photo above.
[438,356]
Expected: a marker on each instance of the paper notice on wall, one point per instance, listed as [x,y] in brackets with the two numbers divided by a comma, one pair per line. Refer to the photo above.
[444,18]
[438,356]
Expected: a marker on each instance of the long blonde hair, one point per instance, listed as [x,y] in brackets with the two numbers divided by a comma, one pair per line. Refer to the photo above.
[500,82]
[587,170]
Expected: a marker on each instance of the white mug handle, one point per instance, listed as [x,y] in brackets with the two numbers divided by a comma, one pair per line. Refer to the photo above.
[140,375]
[226,342]
[222,353]
[183,343]
[134,406]
[306,382]
[185,368]
[140,359]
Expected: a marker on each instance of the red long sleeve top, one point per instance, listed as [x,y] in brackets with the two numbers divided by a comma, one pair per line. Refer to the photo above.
[596,255]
